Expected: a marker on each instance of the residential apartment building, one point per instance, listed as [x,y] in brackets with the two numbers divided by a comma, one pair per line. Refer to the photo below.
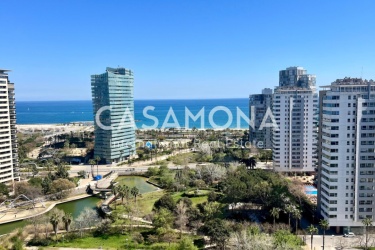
[346,189]
[296,77]
[295,107]
[258,106]
[113,106]
[9,169]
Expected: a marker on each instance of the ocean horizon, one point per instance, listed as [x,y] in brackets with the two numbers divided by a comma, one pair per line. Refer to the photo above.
[57,112]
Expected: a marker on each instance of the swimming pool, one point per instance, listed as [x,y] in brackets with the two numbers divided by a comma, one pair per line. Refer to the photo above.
[311,190]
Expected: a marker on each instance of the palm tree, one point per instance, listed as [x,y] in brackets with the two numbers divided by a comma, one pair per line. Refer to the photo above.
[289,209]
[115,193]
[297,215]
[312,230]
[252,162]
[324,225]
[367,222]
[92,163]
[55,218]
[275,212]
[67,219]
[123,191]
[97,159]
[135,192]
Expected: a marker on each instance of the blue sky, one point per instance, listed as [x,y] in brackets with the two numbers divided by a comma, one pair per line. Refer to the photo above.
[182,49]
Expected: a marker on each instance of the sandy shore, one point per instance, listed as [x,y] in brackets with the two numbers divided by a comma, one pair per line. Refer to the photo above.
[53,128]
[85,126]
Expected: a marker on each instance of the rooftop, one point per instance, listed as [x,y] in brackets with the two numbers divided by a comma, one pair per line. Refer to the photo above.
[2,71]
[347,81]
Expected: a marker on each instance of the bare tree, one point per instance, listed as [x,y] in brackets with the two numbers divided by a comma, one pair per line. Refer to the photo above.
[367,223]
[86,219]
[341,243]
[182,218]
[244,240]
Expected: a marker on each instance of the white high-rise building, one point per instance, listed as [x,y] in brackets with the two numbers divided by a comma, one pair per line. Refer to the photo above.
[8,137]
[346,179]
[295,106]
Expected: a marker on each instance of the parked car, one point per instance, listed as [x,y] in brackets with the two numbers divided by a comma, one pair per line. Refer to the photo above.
[350,234]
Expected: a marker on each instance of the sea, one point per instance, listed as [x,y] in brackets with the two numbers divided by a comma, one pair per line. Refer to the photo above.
[217,113]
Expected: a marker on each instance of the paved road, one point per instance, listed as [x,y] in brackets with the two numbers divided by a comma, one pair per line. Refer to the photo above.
[332,242]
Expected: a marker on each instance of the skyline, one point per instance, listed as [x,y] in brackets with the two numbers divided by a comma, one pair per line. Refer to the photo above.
[184,50]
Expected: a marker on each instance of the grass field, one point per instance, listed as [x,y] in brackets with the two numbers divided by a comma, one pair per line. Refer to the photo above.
[109,242]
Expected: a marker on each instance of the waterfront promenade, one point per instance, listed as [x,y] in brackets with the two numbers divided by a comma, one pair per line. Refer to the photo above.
[14,214]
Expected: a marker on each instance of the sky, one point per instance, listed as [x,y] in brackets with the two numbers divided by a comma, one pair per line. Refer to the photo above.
[187,49]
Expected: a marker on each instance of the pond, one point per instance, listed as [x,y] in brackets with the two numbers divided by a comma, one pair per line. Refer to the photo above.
[136,181]
[73,207]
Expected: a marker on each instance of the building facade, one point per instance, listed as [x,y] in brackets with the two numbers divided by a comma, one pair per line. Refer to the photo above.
[346,177]
[113,106]
[295,107]
[296,77]
[9,168]
[258,106]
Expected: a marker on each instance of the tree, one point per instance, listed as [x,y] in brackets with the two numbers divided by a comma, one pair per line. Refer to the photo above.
[162,220]
[4,190]
[123,191]
[367,222]
[252,162]
[67,220]
[92,163]
[297,216]
[134,192]
[55,218]
[184,244]
[114,190]
[86,219]
[152,171]
[289,209]
[97,159]
[284,239]
[312,230]
[46,185]
[166,201]
[218,232]
[61,172]
[82,174]
[275,213]
[60,187]
[181,214]
[34,170]
[324,225]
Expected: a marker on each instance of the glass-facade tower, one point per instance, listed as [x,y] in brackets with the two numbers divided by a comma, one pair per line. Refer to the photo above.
[113,106]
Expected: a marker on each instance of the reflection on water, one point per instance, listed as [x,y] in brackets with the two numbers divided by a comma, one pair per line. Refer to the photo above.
[136,181]
[73,207]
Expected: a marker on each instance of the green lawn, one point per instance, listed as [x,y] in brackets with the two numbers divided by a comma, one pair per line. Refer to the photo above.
[196,200]
[109,243]
[145,202]
[182,159]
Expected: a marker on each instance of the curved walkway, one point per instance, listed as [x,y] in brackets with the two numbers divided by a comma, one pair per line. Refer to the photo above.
[26,214]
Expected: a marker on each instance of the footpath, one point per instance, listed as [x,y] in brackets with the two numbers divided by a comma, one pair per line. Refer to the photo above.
[13,214]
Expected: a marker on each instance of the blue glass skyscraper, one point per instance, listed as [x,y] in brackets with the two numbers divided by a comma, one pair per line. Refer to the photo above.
[113,106]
